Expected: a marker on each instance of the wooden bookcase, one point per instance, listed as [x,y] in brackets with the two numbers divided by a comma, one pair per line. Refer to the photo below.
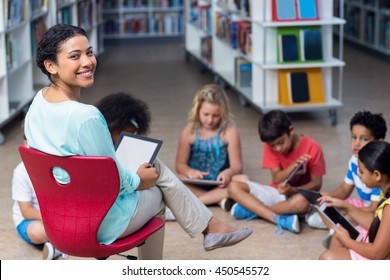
[22,22]
[125,19]
[262,53]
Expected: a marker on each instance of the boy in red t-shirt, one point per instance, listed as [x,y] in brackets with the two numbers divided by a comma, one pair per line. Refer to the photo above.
[284,150]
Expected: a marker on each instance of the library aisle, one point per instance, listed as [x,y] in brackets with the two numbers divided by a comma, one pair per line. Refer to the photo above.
[159,74]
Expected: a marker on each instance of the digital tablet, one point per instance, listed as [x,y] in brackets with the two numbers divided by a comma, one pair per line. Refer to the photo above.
[311,196]
[201,182]
[335,217]
[294,172]
[332,214]
[132,150]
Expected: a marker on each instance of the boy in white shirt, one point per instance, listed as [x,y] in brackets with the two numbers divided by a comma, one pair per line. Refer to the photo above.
[26,214]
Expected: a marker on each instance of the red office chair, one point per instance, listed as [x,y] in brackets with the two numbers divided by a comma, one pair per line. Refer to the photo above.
[72,213]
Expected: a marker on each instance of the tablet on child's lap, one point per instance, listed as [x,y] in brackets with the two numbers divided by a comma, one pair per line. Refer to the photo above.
[333,215]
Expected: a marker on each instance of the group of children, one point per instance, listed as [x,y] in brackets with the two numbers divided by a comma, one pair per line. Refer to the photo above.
[209,148]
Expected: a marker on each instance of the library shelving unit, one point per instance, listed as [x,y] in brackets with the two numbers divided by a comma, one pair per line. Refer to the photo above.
[262,51]
[368,24]
[198,27]
[22,23]
[125,19]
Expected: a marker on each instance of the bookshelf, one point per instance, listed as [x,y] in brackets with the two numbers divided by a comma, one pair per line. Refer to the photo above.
[258,44]
[368,24]
[22,23]
[125,19]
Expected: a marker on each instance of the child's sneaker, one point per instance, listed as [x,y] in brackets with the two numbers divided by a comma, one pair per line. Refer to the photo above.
[326,239]
[240,212]
[313,219]
[51,253]
[226,204]
[289,222]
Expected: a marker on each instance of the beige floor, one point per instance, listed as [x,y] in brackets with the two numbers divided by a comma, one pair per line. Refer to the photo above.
[158,74]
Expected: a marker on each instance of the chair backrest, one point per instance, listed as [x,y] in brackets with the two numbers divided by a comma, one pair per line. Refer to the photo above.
[72,213]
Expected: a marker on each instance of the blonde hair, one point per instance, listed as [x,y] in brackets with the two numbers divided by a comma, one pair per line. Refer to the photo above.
[213,94]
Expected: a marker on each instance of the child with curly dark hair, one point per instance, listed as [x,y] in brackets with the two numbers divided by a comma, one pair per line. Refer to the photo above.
[365,127]
[123,112]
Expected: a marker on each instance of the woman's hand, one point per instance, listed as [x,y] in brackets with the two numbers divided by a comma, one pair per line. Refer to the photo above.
[148,176]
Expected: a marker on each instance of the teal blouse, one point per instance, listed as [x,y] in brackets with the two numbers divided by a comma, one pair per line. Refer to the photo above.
[73,128]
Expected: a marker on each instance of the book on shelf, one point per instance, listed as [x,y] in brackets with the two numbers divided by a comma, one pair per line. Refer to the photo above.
[233,35]
[14,12]
[299,44]
[290,10]
[64,15]
[300,86]
[134,24]
[311,44]
[38,28]
[37,6]
[207,49]
[288,48]
[84,15]
[283,10]
[204,18]
[244,29]
[243,71]
[307,9]
[11,51]
[165,23]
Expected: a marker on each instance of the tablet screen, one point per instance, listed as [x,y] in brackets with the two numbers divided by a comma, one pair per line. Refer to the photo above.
[337,218]
[132,150]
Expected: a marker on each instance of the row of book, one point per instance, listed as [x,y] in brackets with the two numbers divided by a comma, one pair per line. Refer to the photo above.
[11,51]
[299,44]
[85,16]
[291,10]
[14,12]
[38,28]
[296,86]
[114,4]
[202,17]
[37,6]
[238,34]
[136,24]
[64,15]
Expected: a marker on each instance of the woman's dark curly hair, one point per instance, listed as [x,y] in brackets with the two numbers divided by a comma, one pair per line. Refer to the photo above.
[122,110]
[51,42]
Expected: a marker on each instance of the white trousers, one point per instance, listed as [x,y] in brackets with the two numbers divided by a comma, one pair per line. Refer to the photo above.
[192,215]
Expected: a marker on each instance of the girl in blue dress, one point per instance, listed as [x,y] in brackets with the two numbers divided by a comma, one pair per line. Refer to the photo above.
[209,146]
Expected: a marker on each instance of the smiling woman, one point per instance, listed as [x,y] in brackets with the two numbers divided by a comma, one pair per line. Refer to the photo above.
[59,124]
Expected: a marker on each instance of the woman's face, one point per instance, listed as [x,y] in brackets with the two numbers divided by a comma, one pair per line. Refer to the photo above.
[76,63]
